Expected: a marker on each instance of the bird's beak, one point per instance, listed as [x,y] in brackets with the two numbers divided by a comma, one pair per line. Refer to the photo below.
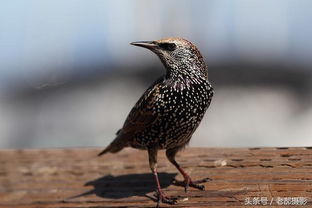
[145,44]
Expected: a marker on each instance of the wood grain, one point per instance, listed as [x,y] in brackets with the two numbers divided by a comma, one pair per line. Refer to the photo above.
[78,178]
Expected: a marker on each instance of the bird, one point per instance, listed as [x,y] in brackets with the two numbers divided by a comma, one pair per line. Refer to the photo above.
[170,110]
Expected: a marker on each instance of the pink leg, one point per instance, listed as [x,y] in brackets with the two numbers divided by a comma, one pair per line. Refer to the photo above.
[161,197]
[188,182]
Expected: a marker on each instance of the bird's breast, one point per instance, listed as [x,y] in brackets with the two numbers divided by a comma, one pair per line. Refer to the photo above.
[193,99]
[181,110]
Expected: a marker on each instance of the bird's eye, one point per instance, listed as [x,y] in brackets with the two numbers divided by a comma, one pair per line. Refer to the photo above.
[168,46]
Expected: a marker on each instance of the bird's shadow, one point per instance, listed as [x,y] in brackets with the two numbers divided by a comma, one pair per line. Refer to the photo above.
[123,186]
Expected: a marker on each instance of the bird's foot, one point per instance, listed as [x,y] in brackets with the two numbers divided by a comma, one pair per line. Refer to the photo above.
[188,182]
[161,197]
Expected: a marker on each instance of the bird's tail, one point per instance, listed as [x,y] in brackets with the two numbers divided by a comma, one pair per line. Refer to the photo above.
[116,145]
[104,151]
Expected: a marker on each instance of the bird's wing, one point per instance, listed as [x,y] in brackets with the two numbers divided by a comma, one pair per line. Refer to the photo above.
[143,114]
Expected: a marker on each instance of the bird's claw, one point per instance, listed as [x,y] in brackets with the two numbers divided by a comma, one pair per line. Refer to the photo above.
[161,197]
[189,183]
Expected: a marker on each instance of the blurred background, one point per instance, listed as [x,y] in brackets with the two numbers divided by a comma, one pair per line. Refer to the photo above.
[68,76]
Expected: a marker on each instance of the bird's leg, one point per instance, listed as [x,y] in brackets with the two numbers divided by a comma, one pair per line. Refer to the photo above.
[161,197]
[188,182]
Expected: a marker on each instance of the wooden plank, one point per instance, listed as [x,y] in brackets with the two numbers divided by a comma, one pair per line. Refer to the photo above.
[78,178]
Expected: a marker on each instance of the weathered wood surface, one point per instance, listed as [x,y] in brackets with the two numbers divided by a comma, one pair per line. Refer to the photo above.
[78,178]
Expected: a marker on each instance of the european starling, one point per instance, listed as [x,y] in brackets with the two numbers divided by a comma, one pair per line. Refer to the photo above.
[170,110]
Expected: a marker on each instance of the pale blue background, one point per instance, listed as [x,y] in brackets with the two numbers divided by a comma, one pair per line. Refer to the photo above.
[68,76]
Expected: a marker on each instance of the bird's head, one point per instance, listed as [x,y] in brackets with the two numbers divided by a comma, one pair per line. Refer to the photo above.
[177,54]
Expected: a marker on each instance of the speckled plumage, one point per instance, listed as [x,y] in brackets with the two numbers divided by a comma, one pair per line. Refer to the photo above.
[178,110]
[170,110]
